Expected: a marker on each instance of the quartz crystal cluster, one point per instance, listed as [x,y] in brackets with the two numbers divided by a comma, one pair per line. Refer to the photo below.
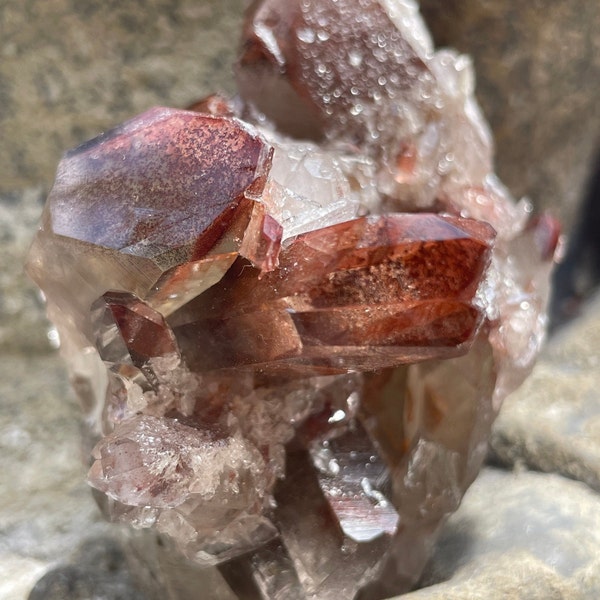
[292,316]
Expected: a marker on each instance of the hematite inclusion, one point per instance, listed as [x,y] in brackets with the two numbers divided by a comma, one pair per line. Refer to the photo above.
[290,351]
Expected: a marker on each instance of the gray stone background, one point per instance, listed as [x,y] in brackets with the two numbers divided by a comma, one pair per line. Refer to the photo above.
[530,525]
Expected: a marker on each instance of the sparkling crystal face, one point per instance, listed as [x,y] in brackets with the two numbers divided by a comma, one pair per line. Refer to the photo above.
[345,76]
[164,181]
[290,350]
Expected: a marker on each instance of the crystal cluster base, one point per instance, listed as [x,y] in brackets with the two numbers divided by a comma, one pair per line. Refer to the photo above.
[292,316]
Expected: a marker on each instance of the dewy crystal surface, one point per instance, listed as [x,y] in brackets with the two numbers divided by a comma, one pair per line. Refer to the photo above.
[292,316]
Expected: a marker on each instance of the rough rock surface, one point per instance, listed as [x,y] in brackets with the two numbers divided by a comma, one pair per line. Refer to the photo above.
[46,509]
[98,570]
[540,541]
[553,422]
[23,326]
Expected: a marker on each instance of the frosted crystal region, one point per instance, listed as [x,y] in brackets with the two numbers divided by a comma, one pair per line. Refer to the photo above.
[292,316]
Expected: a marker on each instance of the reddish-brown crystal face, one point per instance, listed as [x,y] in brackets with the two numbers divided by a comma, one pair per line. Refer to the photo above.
[165,180]
[125,323]
[364,294]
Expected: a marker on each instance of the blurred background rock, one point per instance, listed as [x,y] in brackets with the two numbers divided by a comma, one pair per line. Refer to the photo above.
[70,69]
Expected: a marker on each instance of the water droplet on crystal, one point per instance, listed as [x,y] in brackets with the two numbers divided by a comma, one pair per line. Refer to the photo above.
[337,416]
[355,58]
[306,35]
[53,337]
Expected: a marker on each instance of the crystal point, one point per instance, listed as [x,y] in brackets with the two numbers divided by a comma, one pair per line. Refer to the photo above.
[142,331]
[371,279]
[183,175]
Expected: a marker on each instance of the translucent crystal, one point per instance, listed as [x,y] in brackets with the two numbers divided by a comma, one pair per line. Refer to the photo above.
[309,188]
[366,279]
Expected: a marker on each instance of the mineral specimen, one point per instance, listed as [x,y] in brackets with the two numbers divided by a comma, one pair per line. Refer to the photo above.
[291,317]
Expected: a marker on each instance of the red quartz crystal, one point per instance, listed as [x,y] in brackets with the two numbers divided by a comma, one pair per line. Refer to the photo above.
[141,331]
[168,181]
[329,66]
[406,283]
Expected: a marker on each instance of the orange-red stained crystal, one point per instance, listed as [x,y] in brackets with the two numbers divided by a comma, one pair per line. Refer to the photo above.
[361,295]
